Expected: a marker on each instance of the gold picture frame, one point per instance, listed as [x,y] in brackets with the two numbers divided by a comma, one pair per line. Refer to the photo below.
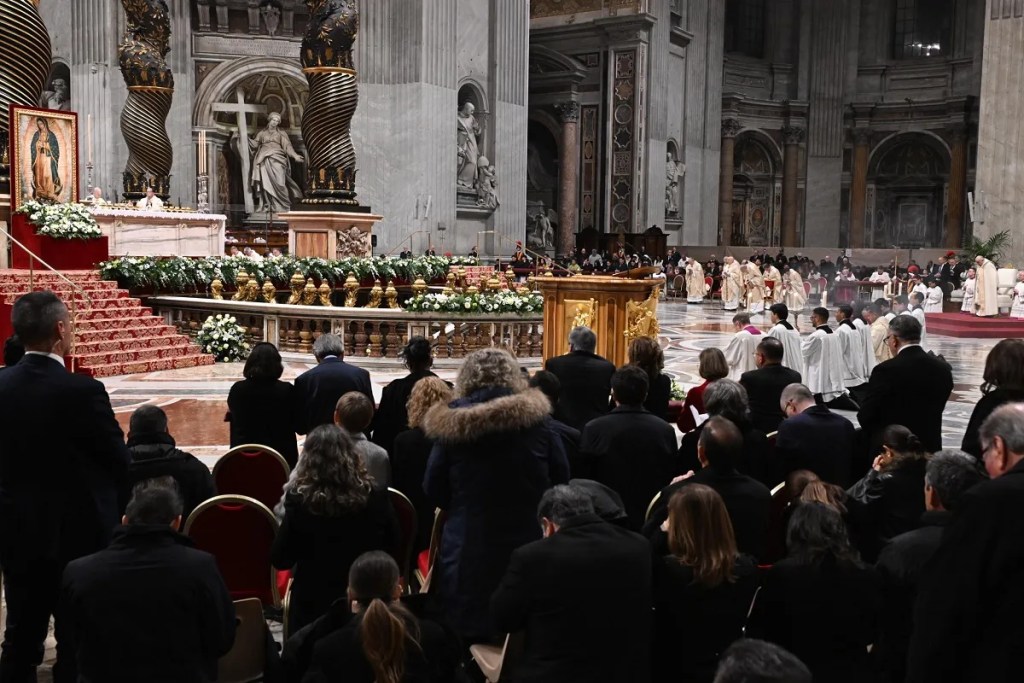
[44,155]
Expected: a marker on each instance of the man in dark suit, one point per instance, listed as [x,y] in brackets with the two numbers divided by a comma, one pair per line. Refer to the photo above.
[747,500]
[149,607]
[630,450]
[586,380]
[549,385]
[319,389]
[813,438]
[63,465]
[910,389]
[901,564]
[551,593]
[967,618]
[764,386]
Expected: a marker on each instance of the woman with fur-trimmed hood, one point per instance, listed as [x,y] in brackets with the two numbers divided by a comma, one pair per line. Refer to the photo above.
[493,458]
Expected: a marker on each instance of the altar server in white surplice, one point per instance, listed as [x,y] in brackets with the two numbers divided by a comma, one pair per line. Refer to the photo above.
[851,347]
[917,310]
[969,286]
[739,354]
[793,355]
[823,360]
[881,278]
[903,306]
[1017,308]
[933,298]
[867,347]
[732,284]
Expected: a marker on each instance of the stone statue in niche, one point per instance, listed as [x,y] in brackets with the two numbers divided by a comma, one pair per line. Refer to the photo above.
[271,17]
[271,178]
[673,172]
[541,232]
[57,96]
[487,185]
[469,146]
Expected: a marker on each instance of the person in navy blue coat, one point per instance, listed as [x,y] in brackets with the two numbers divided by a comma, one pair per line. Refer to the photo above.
[494,456]
[319,388]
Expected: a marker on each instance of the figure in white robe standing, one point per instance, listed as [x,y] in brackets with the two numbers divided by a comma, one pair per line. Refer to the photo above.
[917,310]
[795,297]
[933,298]
[739,354]
[793,356]
[879,277]
[732,284]
[879,333]
[822,357]
[851,347]
[754,286]
[985,303]
[866,346]
[696,288]
[970,284]
[1017,309]
[772,282]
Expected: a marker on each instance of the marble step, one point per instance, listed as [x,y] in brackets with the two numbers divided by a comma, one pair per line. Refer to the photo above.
[132,310]
[138,331]
[102,322]
[134,344]
[143,366]
[135,355]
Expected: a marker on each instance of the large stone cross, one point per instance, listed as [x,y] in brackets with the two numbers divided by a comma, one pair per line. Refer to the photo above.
[241,110]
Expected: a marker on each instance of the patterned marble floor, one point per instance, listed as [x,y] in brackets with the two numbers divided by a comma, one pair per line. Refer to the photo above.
[195,398]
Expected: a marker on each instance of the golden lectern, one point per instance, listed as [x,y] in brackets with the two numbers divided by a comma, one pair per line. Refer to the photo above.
[617,309]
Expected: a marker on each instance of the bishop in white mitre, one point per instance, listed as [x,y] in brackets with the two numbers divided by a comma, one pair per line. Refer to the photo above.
[739,354]
[792,350]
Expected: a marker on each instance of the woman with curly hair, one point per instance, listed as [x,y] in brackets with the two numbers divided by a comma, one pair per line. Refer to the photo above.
[646,354]
[494,456]
[331,514]
[411,450]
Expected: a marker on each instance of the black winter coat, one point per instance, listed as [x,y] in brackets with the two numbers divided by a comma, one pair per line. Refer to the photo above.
[263,411]
[156,455]
[886,504]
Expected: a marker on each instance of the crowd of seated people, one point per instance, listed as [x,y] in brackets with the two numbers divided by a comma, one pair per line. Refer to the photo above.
[727,558]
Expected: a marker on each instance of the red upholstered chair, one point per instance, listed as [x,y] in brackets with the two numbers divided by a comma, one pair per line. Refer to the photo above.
[807,288]
[252,470]
[709,284]
[239,532]
[407,522]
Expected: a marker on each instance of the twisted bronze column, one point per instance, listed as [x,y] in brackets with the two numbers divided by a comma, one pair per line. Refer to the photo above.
[333,96]
[150,91]
[24,67]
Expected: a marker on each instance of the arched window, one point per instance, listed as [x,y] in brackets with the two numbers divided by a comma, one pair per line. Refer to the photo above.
[744,27]
[922,28]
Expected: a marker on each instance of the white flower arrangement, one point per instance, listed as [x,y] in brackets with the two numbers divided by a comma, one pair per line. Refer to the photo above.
[222,336]
[70,221]
[504,302]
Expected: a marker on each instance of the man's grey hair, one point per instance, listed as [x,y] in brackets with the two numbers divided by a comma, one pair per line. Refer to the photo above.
[561,503]
[797,393]
[487,369]
[328,345]
[583,339]
[727,398]
[951,473]
[906,328]
[1006,422]
[750,659]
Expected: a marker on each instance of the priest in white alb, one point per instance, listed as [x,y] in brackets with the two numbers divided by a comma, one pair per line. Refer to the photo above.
[732,284]
[795,296]
[696,287]
[739,354]
[754,285]
[823,359]
[852,349]
[793,356]
[881,278]
[985,303]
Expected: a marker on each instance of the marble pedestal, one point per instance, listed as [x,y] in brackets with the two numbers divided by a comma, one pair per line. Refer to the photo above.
[161,233]
[330,234]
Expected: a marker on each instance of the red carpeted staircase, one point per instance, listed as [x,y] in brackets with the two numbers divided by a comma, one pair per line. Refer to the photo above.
[970,326]
[114,333]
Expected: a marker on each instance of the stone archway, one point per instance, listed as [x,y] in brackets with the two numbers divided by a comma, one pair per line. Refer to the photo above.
[756,187]
[908,176]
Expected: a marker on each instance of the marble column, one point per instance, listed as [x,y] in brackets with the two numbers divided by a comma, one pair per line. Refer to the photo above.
[730,129]
[957,187]
[568,177]
[859,186]
[792,136]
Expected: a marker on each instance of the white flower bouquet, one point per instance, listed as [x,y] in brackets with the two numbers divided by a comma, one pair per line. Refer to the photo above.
[504,302]
[222,336]
[70,221]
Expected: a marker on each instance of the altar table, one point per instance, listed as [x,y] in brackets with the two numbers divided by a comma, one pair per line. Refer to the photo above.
[138,232]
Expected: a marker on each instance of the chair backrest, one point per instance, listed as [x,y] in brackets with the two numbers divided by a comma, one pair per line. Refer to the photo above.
[408,523]
[245,661]
[807,287]
[252,470]
[239,532]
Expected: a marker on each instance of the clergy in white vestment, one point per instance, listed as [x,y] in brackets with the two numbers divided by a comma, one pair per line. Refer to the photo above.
[933,298]
[773,277]
[696,288]
[879,333]
[851,347]
[985,304]
[822,357]
[739,354]
[846,276]
[970,284]
[1017,308]
[795,297]
[793,356]
[917,310]
[150,201]
[881,278]
[754,285]
[732,284]
[867,348]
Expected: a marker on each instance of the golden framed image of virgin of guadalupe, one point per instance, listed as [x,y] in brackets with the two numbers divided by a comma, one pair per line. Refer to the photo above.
[44,156]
